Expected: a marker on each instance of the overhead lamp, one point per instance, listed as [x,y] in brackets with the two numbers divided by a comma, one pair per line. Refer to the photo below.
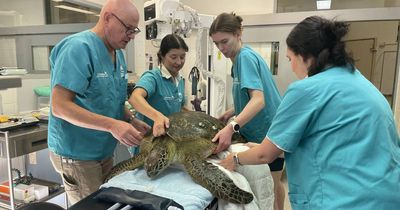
[323,4]
[75,9]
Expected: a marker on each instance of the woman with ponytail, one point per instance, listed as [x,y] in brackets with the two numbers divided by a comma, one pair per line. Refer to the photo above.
[337,131]
[254,92]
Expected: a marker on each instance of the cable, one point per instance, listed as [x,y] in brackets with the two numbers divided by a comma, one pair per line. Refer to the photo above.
[220,83]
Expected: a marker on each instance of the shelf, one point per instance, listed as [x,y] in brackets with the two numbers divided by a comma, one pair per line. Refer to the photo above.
[24,140]
[55,189]
[10,82]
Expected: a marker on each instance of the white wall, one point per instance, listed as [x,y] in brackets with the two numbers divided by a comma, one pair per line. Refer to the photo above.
[25,12]
[139,42]
[17,13]
[240,7]
[213,7]
[27,99]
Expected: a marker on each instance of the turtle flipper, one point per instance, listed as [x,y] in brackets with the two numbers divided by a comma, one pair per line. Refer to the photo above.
[129,164]
[217,182]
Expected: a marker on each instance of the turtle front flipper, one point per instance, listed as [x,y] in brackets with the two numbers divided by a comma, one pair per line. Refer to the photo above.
[126,165]
[217,182]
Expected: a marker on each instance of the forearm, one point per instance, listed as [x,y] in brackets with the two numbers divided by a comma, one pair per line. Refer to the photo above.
[255,105]
[142,106]
[74,114]
[266,152]
[63,106]
[230,112]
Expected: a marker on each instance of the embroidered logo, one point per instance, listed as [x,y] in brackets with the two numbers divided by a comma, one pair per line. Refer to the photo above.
[102,75]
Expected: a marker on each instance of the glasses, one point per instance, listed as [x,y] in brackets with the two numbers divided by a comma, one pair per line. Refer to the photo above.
[129,31]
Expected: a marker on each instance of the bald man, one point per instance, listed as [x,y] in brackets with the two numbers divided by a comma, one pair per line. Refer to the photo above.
[89,83]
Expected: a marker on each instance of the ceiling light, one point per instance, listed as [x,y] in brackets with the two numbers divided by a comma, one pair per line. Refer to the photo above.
[74,9]
[323,4]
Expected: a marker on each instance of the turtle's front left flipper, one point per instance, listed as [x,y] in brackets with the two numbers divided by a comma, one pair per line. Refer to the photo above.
[126,165]
[217,182]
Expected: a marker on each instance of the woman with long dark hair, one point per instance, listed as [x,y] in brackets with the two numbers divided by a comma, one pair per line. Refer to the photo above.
[335,128]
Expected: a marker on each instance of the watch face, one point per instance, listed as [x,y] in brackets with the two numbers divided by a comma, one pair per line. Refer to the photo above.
[236,127]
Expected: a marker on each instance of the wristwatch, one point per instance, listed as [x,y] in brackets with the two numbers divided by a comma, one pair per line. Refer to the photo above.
[235,126]
[236,158]
[131,118]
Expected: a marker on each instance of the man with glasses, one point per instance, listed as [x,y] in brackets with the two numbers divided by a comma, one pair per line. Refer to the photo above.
[89,83]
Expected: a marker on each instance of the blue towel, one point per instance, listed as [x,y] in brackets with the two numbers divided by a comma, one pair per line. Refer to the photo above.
[172,183]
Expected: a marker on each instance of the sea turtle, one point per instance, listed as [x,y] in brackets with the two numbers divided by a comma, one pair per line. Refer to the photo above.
[188,142]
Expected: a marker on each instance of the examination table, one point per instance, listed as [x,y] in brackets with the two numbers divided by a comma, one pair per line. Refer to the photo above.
[91,203]
[177,185]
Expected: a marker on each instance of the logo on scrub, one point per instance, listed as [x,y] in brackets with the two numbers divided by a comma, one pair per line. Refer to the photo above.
[102,74]
[122,72]
[178,97]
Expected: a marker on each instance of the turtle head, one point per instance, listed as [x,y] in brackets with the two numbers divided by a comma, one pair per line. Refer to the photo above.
[158,159]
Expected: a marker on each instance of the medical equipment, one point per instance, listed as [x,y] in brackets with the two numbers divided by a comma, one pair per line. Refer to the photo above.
[164,17]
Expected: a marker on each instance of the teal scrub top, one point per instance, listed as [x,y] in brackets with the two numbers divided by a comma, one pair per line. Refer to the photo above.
[162,93]
[81,63]
[341,143]
[251,72]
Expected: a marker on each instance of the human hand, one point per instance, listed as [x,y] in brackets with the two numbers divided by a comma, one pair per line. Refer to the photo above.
[228,163]
[224,138]
[160,125]
[141,126]
[125,133]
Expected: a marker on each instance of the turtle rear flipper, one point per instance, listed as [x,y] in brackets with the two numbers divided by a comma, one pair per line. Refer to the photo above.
[126,165]
[212,178]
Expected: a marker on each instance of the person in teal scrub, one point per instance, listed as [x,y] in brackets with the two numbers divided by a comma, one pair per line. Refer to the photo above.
[255,95]
[88,91]
[160,92]
[336,129]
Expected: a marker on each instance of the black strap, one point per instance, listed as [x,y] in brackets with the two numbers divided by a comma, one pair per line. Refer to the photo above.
[137,199]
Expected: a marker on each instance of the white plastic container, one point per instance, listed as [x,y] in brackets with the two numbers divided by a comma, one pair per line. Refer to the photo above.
[40,191]
[24,193]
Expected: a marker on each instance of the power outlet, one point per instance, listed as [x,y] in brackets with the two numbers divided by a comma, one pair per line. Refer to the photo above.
[32,158]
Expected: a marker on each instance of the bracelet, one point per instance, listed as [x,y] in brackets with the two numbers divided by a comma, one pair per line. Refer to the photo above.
[236,158]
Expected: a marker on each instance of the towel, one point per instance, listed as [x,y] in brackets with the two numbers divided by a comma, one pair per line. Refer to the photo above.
[172,183]
[176,184]
[259,179]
